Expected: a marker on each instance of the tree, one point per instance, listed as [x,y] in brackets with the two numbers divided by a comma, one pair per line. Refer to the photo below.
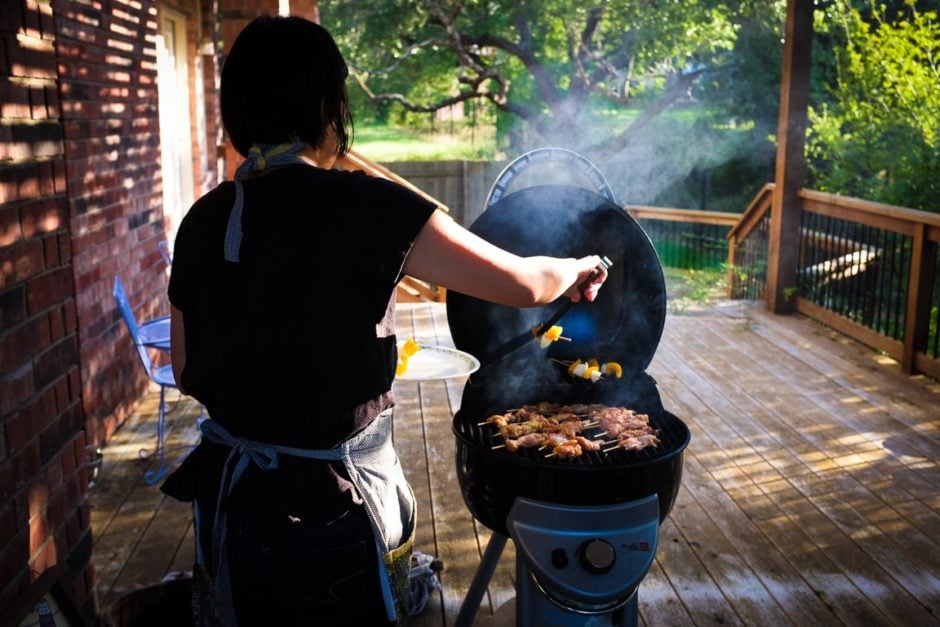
[549,64]
[878,137]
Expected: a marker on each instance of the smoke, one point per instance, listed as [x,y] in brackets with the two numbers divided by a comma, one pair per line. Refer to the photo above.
[673,160]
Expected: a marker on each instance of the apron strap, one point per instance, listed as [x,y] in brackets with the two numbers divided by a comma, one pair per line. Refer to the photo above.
[260,156]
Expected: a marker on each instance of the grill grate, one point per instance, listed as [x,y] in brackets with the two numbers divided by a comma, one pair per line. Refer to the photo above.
[670,437]
[672,433]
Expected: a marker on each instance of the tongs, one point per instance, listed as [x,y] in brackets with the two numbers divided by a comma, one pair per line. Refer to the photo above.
[538,331]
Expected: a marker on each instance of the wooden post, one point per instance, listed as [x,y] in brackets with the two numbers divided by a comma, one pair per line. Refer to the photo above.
[791,165]
[917,320]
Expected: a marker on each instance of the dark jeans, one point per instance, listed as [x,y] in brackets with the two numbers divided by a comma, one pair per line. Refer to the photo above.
[324,576]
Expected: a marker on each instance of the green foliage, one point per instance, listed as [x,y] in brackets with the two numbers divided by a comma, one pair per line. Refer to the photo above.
[546,65]
[879,136]
[688,290]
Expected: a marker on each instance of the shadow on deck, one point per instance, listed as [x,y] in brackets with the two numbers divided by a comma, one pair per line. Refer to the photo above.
[810,494]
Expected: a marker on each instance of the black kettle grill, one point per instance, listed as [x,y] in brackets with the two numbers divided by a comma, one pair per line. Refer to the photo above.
[585,527]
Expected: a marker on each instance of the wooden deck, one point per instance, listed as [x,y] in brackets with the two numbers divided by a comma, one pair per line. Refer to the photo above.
[810,495]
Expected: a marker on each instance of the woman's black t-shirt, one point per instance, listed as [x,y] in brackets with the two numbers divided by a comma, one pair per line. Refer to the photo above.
[294,344]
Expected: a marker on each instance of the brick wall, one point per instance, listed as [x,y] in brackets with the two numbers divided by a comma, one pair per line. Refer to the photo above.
[108,85]
[44,524]
[80,202]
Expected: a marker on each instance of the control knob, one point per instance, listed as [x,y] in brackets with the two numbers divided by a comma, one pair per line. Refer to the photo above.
[597,556]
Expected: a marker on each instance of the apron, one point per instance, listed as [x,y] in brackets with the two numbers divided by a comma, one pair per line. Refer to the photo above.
[374,469]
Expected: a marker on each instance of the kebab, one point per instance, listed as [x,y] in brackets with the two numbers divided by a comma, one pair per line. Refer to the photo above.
[562,429]
[631,431]
[560,432]
[591,369]
[553,334]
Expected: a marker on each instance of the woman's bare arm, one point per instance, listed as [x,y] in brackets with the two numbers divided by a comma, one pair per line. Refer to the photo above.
[451,256]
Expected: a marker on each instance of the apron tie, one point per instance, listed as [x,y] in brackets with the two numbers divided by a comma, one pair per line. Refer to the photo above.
[260,157]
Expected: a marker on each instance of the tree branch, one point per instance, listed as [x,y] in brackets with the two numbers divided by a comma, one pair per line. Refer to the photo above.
[670,94]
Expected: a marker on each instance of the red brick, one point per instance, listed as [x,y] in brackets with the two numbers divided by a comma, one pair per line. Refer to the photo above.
[18,263]
[24,465]
[43,216]
[14,100]
[47,24]
[58,166]
[31,19]
[37,59]
[51,251]
[7,491]
[62,401]
[71,320]
[11,19]
[24,342]
[30,420]
[53,106]
[39,532]
[48,289]
[40,139]
[68,460]
[51,365]
[69,29]
[8,523]
[57,328]
[10,229]
[59,433]
[16,387]
[18,181]
[56,506]
[44,558]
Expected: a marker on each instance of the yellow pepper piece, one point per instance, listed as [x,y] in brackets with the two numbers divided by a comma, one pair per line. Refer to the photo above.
[589,370]
[612,367]
[593,363]
[411,347]
[553,333]
[573,365]
[401,367]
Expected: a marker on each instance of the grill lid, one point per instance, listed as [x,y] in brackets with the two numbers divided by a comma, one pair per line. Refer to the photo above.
[625,322]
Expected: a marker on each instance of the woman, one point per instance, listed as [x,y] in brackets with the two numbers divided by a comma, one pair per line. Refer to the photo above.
[282,294]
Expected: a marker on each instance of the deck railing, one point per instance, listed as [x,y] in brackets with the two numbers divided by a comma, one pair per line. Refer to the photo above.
[868,270]
[748,244]
[687,238]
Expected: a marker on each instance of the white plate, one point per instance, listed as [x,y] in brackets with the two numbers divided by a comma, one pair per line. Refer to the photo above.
[438,362]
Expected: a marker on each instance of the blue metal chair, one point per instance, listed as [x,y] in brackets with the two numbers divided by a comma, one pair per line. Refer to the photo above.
[161,375]
[155,333]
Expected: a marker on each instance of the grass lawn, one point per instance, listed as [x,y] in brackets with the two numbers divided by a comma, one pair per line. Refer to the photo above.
[392,143]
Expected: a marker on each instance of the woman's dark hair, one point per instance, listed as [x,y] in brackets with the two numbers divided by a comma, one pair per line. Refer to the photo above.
[284,79]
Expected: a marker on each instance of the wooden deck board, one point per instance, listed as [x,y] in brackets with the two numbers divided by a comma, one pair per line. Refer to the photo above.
[810,495]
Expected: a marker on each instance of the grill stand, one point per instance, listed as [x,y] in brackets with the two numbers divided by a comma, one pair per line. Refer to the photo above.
[577,566]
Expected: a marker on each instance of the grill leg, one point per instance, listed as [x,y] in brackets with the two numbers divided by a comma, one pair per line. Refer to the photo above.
[471,603]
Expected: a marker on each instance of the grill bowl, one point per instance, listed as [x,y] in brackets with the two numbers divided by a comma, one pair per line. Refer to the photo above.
[490,480]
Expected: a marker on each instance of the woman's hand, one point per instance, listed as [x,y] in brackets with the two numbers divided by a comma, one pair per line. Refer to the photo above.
[590,279]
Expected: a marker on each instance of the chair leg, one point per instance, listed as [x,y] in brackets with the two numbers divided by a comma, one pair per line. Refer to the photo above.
[152,476]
